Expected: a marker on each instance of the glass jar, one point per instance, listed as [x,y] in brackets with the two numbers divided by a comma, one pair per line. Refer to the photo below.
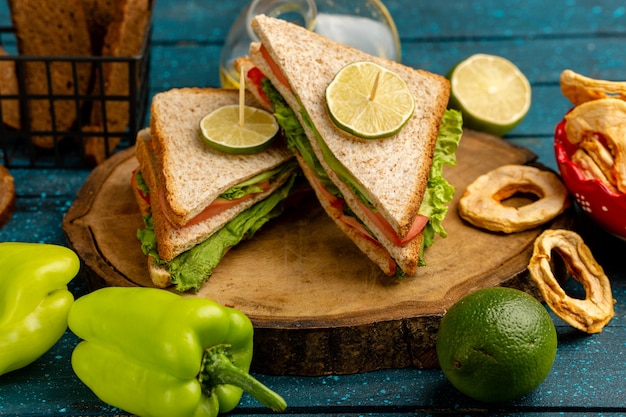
[363,24]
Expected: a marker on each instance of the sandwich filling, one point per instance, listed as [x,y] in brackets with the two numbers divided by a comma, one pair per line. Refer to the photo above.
[192,268]
[232,197]
[438,194]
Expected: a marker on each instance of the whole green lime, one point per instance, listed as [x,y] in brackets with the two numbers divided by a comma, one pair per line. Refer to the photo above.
[496,344]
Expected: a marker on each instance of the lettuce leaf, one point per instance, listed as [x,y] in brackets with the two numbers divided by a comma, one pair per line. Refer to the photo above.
[295,136]
[147,237]
[250,186]
[440,192]
[141,183]
[192,268]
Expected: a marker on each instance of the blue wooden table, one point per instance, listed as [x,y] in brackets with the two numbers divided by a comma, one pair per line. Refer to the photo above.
[542,38]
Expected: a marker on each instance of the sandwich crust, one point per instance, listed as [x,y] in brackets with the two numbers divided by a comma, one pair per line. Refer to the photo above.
[192,174]
[375,252]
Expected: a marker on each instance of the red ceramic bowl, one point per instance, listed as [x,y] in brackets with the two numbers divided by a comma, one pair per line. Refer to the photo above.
[605,207]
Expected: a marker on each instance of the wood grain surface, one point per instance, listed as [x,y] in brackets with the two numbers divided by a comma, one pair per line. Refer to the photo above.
[318,305]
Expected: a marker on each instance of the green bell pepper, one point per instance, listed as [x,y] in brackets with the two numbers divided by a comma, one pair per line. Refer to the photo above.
[152,352]
[34,300]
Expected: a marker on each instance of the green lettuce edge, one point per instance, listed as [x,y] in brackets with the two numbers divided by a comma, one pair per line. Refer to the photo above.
[439,191]
[192,268]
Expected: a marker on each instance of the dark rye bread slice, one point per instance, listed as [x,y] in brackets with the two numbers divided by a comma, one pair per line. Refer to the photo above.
[393,171]
[125,34]
[99,14]
[7,195]
[193,174]
[9,86]
[52,28]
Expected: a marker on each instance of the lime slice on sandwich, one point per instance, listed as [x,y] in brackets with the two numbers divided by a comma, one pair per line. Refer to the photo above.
[491,92]
[369,101]
[239,130]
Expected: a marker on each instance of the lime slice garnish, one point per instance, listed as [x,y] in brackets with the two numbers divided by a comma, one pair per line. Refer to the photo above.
[491,92]
[222,129]
[369,101]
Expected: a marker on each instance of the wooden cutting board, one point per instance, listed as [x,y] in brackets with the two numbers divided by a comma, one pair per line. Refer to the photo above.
[318,305]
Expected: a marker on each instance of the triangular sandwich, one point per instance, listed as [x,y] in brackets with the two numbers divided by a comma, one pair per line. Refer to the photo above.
[387,195]
[199,202]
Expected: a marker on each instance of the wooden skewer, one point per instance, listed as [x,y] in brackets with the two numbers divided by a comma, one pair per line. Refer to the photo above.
[242,98]
[375,87]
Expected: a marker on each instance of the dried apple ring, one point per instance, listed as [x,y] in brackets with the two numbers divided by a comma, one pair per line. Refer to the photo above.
[580,89]
[481,204]
[596,310]
[604,117]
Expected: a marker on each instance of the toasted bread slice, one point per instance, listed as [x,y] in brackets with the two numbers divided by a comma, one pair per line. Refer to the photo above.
[173,240]
[394,171]
[129,21]
[52,28]
[9,86]
[193,174]
[99,14]
[7,195]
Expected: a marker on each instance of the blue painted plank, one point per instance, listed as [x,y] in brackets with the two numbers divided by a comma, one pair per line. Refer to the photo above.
[541,62]
[49,387]
[201,21]
[209,20]
[43,197]
[184,66]
[198,65]
[507,18]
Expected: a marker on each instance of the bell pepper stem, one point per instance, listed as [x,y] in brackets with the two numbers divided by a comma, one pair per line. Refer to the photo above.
[218,369]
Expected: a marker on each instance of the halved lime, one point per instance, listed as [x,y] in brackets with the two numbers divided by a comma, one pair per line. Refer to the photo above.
[369,101]
[222,129]
[491,92]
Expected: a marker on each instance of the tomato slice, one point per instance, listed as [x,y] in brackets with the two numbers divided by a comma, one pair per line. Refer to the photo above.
[215,208]
[338,203]
[383,225]
[256,76]
[218,206]
[351,221]
[274,67]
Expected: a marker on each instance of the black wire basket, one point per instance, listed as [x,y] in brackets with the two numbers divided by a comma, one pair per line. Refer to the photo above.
[66,135]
